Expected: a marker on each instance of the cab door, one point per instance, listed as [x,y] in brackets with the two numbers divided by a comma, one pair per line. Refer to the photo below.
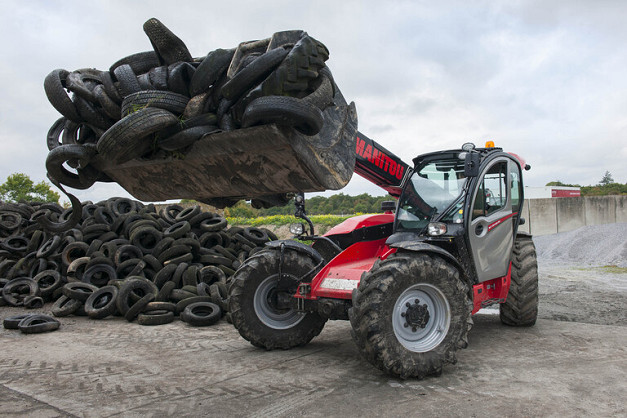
[491,225]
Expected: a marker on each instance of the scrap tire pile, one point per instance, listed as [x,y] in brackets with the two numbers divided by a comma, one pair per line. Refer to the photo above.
[122,258]
[156,104]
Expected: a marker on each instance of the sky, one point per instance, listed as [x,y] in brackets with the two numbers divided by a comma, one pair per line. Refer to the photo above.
[544,79]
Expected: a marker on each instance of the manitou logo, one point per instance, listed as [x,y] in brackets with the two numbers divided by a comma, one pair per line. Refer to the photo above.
[379,159]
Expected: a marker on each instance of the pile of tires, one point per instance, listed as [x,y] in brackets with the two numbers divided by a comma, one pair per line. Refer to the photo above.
[123,258]
[155,104]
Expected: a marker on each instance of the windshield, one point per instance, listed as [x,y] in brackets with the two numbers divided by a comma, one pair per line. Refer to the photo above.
[432,188]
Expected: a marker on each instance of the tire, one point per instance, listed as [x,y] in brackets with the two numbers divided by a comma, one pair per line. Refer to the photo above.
[102,303]
[12,322]
[286,111]
[65,306]
[61,154]
[155,318]
[201,314]
[128,80]
[140,62]
[521,307]
[252,74]
[185,138]
[36,324]
[166,100]
[438,301]
[210,69]
[131,137]
[255,317]
[168,47]
[54,86]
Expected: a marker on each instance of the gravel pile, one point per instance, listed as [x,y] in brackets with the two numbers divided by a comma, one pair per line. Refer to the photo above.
[591,245]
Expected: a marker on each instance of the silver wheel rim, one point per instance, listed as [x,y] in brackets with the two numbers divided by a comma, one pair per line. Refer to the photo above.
[417,338]
[268,314]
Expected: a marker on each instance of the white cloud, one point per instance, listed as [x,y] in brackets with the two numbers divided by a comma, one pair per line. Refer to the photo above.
[543,79]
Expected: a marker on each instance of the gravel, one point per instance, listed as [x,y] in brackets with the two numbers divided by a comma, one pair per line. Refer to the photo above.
[595,245]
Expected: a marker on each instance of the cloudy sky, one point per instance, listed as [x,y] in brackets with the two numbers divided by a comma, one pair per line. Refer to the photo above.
[545,79]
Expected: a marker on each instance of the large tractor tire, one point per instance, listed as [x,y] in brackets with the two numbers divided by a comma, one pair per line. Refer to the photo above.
[253,300]
[521,307]
[410,315]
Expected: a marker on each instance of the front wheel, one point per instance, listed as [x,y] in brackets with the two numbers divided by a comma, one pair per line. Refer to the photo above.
[258,296]
[521,307]
[410,314]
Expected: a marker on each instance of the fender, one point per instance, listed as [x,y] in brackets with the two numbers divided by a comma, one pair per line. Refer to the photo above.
[298,247]
[423,247]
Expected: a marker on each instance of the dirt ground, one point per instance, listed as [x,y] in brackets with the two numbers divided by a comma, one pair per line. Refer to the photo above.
[572,363]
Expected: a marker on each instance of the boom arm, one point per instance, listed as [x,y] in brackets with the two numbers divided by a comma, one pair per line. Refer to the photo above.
[379,166]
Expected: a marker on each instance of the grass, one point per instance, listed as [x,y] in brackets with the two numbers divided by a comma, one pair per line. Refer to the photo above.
[279,220]
[607,269]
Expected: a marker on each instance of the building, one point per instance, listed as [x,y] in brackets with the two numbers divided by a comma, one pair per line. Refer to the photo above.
[551,191]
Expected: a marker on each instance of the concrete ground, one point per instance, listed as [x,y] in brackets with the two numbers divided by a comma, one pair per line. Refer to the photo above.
[111,368]
[572,363]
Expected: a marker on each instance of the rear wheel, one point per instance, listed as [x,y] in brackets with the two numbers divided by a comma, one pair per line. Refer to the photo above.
[258,300]
[410,314]
[521,306]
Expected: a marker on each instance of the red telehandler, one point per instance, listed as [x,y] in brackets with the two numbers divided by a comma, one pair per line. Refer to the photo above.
[410,279]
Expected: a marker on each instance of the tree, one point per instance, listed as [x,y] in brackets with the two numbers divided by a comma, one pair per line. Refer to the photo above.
[20,187]
[607,178]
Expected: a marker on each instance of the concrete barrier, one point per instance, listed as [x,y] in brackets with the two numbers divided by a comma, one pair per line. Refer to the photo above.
[549,216]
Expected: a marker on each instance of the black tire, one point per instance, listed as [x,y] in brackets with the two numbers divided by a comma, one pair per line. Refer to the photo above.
[436,300]
[137,286]
[110,108]
[253,73]
[33,302]
[36,324]
[54,86]
[255,316]
[12,322]
[102,303]
[185,137]
[168,47]
[155,318]
[140,62]
[166,100]
[286,111]
[210,69]
[65,306]
[131,137]
[182,304]
[139,306]
[48,281]
[521,307]
[201,314]
[61,154]
[14,291]
[79,291]
[128,80]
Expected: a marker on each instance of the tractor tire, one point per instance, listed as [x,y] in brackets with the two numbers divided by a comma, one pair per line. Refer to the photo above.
[427,290]
[521,307]
[254,313]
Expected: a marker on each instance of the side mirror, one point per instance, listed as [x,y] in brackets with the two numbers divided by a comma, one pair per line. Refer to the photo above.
[471,164]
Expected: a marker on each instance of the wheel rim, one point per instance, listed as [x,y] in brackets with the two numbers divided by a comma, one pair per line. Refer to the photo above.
[421,326]
[268,313]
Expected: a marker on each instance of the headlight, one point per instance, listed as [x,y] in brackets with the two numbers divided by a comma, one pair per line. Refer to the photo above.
[436,228]
[297,229]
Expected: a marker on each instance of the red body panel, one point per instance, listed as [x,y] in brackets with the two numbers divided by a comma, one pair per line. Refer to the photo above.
[491,291]
[350,264]
[361,221]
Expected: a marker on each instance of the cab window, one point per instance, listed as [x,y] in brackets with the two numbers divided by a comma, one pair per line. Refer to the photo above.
[492,191]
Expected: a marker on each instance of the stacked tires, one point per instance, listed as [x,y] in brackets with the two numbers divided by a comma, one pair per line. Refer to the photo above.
[155,104]
[123,258]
